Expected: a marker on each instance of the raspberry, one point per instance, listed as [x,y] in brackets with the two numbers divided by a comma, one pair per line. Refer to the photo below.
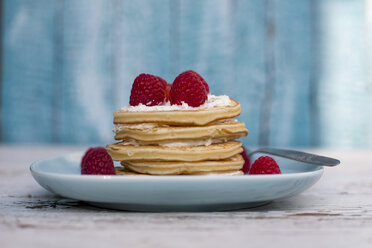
[98,162]
[206,86]
[85,157]
[247,161]
[188,88]
[148,89]
[167,90]
[264,165]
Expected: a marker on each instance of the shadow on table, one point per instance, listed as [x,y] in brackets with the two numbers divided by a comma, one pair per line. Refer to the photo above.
[50,201]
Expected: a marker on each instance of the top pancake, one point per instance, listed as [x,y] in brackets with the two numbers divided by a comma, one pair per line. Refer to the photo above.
[179,117]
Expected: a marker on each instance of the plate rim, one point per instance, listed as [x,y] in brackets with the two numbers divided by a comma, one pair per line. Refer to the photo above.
[48,180]
[33,170]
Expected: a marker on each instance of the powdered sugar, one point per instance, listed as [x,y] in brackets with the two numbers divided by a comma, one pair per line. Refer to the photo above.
[119,127]
[212,101]
[176,143]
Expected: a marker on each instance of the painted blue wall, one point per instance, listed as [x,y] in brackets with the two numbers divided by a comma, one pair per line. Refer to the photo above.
[296,67]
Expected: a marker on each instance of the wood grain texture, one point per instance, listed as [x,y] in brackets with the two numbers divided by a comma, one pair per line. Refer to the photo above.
[290,114]
[344,90]
[226,47]
[249,34]
[145,43]
[87,79]
[27,80]
[1,68]
[336,212]
[68,65]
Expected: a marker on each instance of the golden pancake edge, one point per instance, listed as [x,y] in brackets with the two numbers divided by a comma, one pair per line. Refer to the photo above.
[122,171]
[161,153]
[156,133]
[197,117]
[233,163]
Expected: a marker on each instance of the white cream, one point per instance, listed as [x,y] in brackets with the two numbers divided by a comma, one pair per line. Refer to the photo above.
[177,143]
[119,127]
[225,121]
[212,101]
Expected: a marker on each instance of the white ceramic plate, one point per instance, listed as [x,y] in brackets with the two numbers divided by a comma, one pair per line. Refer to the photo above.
[61,176]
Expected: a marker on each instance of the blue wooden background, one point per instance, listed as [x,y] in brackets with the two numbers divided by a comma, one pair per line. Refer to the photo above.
[299,68]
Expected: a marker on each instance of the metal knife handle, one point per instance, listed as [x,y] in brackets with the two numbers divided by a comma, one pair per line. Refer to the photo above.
[299,156]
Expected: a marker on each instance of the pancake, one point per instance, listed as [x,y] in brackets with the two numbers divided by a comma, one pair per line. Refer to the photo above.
[155,133]
[161,153]
[178,143]
[197,117]
[121,171]
[234,163]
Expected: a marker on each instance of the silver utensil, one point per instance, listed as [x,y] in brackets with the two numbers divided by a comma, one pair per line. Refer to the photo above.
[298,156]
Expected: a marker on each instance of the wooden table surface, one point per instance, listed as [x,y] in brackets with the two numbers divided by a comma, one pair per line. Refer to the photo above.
[336,212]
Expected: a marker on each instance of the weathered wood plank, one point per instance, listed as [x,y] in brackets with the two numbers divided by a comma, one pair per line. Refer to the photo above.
[145,33]
[341,202]
[249,64]
[344,91]
[1,69]
[27,80]
[87,82]
[368,73]
[292,39]
[226,47]
[68,65]
[206,42]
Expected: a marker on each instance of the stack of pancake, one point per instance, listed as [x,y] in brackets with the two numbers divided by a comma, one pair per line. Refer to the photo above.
[193,142]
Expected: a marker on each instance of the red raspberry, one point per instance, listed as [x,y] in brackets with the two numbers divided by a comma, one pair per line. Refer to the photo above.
[264,165]
[167,90]
[247,161]
[98,162]
[188,88]
[85,157]
[206,86]
[148,89]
